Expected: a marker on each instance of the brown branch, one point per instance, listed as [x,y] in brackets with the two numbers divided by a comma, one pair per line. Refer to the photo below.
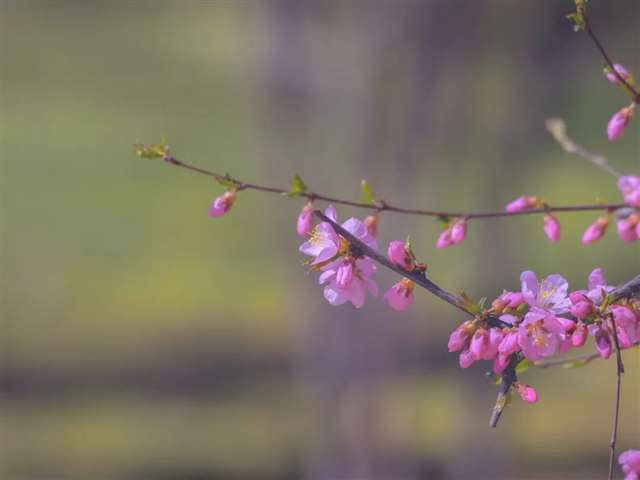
[383,206]
[508,378]
[616,412]
[582,359]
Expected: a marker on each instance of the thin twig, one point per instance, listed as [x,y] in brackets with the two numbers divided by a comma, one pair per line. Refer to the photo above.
[589,29]
[558,130]
[582,360]
[383,206]
[508,378]
[616,414]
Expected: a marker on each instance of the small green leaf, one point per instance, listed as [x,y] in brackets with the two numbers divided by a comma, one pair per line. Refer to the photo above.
[159,150]
[367,193]
[469,304]
[444,220]
[523,366]
[481,303]
[227,181]
[298,187]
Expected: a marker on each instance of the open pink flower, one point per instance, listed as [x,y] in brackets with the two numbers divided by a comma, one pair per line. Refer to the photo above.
[347,278]
[629,186]
[549,295]
[630,463]
[539,334]
[400,296]
[222,204]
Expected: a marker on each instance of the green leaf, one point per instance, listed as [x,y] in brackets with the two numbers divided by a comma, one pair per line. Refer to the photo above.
[298,187]
[523,366]
[367,193]
[468,303]
[444,220]
[159,150]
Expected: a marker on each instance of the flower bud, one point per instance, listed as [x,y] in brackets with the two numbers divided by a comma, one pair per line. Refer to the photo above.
[460,336]
[595,231]
[222,204]
[619,121]
[400,296]
[581,310]
[444,239]
[500,363]
[480,344]
[603,344]
[399,255]
[509,344]
[552,228]
[521,203]
[305,220]
[579,336]
[466,359]
[624,73]
[527,393]
[629,186]
[514,299]
[627,229]
[578,296]
[371,222]
[458,232]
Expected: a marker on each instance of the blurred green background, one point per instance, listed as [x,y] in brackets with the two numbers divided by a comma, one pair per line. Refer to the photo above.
[142,340]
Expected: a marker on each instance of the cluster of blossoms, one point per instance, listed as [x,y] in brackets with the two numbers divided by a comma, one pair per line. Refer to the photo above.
[543,319]
[346,273]
[628,219]
[621,119]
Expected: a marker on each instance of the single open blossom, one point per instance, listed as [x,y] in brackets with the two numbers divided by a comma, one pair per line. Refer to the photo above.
[539,334]
[552,228]
[629,186]
[627,228]
[346,278]
[619,121]
[527,393]
[521,203]
[595,231]
[630,463]
[222,204]
[305,220]
[624,73]
[549,295]
[597,285]
[400,255]
[400,296]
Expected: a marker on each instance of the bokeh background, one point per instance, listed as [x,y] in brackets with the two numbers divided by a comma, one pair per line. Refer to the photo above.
[142,340]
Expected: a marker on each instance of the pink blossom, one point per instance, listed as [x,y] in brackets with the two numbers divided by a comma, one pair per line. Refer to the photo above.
[552,228]
[549,295]
[539,334]
[629,186]
[627,229]
[619,121]
[459,338]
[630,463]
[603,343]
[509,343]
[458,232]
[513,299]
[581,310]
[400,296]
[597,286]
[222,204]
[399,254]
[527,393]
[466,359]
[579,336]
[444,239]
[480,343]
[627,326]
[595,231]
[305,220]
[613,78]
[521,203]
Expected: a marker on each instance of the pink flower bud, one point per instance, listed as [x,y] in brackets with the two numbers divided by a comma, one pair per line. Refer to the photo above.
[466,359]
[399,255]
[400,296]
[627,229]
[222,204]
[500,363]
[509,344]
[579,336]
[458,232]
[619,121]
[444,239]
[527,393]
[459,338]
[578,296]
[595,231]
[603,344]
[552,228]
[480,344]
[630,462]
[514,299]
[495,338]
[581,310]
[521,203]
[624,73]
[305,220]
[629,185]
